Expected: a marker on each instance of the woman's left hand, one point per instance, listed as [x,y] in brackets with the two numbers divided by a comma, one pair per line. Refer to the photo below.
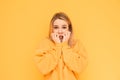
[66,36]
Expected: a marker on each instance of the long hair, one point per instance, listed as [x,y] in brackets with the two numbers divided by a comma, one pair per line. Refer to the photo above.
[62,16]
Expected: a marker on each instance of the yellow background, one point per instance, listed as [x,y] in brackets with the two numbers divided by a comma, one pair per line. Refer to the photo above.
[23,23]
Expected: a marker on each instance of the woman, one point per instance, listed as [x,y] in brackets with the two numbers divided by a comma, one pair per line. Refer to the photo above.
[60,57]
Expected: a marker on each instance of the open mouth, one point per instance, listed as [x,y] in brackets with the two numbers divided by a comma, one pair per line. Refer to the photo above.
[61,37]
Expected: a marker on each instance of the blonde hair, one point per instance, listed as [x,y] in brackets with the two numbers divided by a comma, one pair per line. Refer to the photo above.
[62,16]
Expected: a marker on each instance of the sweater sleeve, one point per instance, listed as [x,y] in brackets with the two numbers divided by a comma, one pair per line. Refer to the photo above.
[46,58]
[75,58]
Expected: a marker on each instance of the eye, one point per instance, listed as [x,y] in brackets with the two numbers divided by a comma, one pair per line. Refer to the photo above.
[55,27]
[64,26]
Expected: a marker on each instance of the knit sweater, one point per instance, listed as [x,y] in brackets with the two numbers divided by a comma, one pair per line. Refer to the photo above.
[59,61]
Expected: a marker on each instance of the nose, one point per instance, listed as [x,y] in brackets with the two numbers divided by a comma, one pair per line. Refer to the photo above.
[60,31]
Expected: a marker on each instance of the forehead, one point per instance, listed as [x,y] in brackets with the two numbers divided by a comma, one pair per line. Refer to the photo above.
[60,21]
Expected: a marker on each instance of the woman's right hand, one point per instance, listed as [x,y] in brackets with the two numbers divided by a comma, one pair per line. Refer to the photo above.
[55,37]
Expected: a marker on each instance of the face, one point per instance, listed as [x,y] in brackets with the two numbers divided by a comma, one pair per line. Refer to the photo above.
[60,26]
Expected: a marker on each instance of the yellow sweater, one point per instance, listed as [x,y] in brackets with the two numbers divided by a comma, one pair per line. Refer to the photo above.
[60,61]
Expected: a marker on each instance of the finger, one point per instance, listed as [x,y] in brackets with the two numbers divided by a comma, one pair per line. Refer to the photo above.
[68,33]
[64,37]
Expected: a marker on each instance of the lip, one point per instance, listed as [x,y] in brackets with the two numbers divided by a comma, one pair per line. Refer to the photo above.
[60,32]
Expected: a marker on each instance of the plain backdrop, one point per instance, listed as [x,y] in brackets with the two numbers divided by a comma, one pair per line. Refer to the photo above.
[24,23]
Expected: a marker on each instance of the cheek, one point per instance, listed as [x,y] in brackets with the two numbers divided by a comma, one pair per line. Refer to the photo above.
[65,30]
[55,30]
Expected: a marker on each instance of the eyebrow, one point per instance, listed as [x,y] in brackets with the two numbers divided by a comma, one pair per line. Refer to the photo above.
[64,25]
[55,25]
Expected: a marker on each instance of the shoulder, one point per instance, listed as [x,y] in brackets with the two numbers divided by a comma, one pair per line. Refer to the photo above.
[44,43]
[78,43]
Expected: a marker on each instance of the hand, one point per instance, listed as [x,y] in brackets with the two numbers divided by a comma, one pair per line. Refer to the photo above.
[66,36]
[55,37]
